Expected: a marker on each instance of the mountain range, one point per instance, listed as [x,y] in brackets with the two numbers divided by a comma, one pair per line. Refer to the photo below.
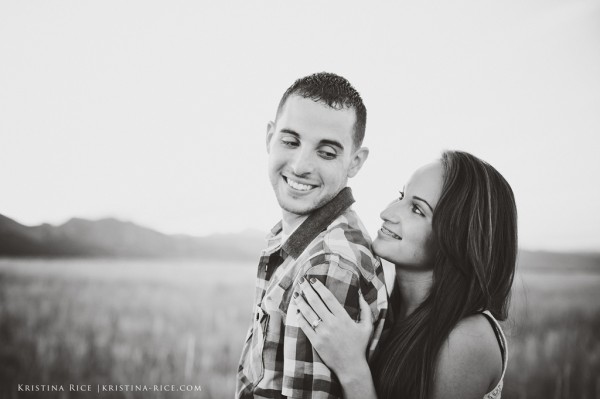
[114,238]
[120,239]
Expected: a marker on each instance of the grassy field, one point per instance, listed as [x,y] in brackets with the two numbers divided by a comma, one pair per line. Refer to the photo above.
[554,345]
[177,323]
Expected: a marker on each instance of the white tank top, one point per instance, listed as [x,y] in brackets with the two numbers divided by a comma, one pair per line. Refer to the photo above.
[496,393]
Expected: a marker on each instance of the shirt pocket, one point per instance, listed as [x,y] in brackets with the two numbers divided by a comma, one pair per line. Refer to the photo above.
[253,365]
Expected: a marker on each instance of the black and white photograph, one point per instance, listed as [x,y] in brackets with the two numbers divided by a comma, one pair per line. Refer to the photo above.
[324,200]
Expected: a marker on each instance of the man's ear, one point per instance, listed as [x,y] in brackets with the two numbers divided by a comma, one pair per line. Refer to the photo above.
[270,131]
[358,159]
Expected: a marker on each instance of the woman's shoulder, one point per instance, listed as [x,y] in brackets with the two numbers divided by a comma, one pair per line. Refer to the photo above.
[476,327]
[470,361]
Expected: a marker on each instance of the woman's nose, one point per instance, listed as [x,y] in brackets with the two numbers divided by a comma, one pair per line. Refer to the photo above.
[391,213]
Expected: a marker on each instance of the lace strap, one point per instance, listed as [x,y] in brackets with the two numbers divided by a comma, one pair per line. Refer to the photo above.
[501,339]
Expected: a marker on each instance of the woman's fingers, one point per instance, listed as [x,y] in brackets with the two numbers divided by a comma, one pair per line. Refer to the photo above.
[306,327]
[327,298]
[365,311]
[309,315]
[314,300]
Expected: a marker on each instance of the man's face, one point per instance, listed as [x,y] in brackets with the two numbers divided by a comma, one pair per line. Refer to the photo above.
[311,154]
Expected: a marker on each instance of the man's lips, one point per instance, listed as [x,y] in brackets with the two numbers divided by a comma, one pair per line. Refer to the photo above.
[390,233]
[296,185]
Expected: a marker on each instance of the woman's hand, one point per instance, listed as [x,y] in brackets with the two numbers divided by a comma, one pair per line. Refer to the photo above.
[340,341]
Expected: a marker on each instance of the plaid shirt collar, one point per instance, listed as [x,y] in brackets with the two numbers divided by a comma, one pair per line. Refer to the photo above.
[312,226]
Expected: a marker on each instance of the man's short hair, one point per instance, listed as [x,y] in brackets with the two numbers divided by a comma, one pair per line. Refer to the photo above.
[336,92]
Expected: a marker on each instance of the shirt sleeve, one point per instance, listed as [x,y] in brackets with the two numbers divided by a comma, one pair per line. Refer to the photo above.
[375,293]
[305,374]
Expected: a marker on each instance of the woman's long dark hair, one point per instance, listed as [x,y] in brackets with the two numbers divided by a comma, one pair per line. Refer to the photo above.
[475,234]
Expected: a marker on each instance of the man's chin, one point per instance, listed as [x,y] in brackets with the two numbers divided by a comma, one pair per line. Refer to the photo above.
[298,210]
[304,206]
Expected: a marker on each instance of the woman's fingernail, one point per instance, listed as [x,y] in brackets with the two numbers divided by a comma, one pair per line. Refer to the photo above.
[313,280]
[301,280]
[296,295]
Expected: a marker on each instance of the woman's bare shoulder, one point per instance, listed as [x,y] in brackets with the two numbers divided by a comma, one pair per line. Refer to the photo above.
[470,361]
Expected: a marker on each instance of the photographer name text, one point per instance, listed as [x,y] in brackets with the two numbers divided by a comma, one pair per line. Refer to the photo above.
[99,388]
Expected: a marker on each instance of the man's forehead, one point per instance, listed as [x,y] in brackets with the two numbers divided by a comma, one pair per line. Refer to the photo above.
[296,99]
[305,116]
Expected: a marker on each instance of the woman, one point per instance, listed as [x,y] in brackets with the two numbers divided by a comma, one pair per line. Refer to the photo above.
[452,236]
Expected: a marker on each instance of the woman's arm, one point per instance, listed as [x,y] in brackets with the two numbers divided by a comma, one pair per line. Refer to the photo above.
[340,341]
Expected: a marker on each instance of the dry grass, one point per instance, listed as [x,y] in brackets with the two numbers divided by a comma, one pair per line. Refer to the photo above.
[92,322]
[109,322]
[554,346]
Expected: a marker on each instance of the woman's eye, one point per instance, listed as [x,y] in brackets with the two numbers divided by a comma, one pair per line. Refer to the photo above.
[417,210]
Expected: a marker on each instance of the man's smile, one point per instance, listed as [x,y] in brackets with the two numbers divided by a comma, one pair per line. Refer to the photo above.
[296,185]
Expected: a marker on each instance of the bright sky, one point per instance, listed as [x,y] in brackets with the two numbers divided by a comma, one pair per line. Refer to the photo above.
[156,112]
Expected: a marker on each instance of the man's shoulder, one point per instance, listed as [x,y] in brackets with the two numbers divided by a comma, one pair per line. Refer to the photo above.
[347,230]
[347,238]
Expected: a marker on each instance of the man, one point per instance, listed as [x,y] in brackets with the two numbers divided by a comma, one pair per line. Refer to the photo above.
[314,146]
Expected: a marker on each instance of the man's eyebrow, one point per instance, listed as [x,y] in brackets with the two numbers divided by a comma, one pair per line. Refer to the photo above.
[289,131]
[421,199]
[332,143]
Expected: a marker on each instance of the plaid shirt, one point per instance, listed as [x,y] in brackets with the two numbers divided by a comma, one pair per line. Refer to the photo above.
[331,245]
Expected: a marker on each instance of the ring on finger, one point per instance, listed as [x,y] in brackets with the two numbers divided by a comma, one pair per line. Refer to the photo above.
[316,323]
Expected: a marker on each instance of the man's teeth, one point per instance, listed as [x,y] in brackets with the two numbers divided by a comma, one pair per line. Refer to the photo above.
[298,186]
[390,233]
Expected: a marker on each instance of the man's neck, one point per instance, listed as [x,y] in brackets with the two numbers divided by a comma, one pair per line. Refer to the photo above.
[290,222]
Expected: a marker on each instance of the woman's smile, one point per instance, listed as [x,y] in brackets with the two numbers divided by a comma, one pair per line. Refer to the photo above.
[389,233]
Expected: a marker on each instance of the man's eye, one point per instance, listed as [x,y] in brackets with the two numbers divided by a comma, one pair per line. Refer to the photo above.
[289,143]
[401,197]
[327,154]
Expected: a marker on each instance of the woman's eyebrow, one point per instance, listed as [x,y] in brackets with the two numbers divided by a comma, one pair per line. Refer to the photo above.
[421,199]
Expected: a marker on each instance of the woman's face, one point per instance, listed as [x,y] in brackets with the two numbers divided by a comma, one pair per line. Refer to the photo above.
[405,236]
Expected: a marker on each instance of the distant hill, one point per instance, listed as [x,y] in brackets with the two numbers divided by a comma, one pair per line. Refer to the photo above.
[558,261]
[115,238]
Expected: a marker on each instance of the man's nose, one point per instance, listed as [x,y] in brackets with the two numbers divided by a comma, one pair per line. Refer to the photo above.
[303,162]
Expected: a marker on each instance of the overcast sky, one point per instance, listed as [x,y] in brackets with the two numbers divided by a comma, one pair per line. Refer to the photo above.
[156,112]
